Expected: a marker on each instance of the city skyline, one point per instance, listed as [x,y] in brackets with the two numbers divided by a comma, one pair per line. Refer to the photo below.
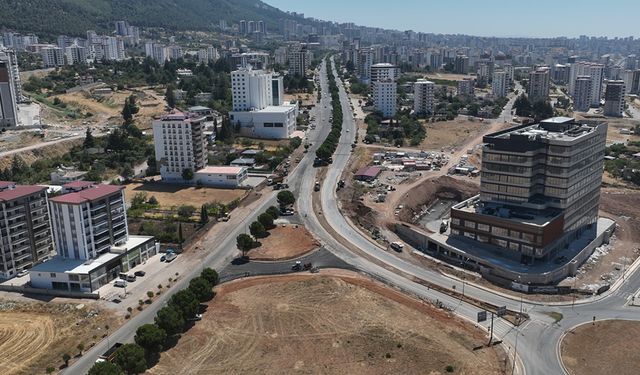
[450,18]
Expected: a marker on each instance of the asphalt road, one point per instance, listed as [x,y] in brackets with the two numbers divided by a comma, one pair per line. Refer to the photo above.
[537,340]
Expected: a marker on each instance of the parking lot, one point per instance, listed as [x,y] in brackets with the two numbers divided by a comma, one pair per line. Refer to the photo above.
[156,273]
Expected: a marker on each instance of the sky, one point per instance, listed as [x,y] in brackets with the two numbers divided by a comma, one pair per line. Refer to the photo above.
[540,18]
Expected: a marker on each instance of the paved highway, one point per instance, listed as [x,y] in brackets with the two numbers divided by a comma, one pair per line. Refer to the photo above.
[537,340]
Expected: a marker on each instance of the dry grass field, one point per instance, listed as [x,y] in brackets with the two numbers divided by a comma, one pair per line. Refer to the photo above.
[602,348]
[34,336]
[176,195]
[284,243]
[447,134]
[314,324]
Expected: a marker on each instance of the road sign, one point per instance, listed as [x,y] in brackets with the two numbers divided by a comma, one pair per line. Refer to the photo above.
[482,316]
[502,310]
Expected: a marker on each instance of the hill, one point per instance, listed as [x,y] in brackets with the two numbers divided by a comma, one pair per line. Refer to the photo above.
[75,17]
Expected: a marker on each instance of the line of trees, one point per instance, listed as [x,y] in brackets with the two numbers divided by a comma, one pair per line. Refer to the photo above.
[264,223]
[330,144]
[151,339]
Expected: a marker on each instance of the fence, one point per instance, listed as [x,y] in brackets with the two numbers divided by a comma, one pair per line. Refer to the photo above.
[48,292]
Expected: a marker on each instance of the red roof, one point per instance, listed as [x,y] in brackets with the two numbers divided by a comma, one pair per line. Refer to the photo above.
[78,184]
[6,184]
[20,191]
[87,195]
[372,172]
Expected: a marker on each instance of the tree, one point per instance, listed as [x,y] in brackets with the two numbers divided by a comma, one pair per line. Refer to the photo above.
[153,201]
[105,368]
[244,243]
[257,229]
[130,358]
[127,115]
[185,302]
[286,198]
[542,110]
[80,348]
[150,337]
[210,275]
[266,220]
[186,211]
[187,174]
[65,358]
[273,211]
[170,97]
[204,215]
[201,288]
[170,319]
[50,369]
[89,141]
[522,105]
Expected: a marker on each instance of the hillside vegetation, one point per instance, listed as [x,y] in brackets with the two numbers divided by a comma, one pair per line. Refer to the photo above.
[75,17]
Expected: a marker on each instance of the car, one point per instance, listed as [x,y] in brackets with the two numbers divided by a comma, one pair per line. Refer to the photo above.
[22,273]
[139,273]
[116,300]
[120,283]
[196,318]
[131,278]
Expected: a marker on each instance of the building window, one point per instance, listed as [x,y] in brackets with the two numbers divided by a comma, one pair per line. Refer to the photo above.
[52,274]
[514,246]
[483,227]
[500,231]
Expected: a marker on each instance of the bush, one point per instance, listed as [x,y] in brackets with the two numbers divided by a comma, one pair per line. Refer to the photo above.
[449,368]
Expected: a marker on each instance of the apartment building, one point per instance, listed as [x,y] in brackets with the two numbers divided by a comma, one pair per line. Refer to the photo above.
[423,96]
[593,70]
[89,224]
[539,189]
[52,57]
[385,88]
[75,54]
[582,93]
[179,144]
[258,105]
[466,86]
[631,80]
[299,59]
[614,98]
[207,55]
[8,107]
[88,219]
[499,84]
[24,228]
[538,84]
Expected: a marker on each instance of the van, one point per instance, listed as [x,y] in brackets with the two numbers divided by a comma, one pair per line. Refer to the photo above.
[120,283]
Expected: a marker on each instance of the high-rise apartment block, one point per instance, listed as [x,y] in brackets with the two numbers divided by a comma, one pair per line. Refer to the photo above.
[88,219]
[499,85]
[258,104]
[52,57]
[466,86]
[424,97]
[8,107]
[179,144]
[24,228]
[385,88]
[89,225]
[614,98]
[582,93]
[539,189]
[593,70]
[299,59]
[538,84]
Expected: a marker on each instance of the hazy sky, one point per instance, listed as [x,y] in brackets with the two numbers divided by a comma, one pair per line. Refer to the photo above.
[539,18]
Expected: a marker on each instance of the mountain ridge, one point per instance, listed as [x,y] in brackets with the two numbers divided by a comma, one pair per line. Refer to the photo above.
[75,17]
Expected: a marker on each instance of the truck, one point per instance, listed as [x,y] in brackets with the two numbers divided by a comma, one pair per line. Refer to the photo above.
[274,180]
[110,354]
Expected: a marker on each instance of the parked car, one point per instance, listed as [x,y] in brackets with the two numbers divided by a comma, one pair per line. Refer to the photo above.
[139,273]
[120,283]
[22,273]
[131,278]
[163,258]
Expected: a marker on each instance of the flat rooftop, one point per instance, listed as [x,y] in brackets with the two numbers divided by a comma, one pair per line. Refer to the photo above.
[77,266]
[565,129]
[276,109]
[221,170]
[512,213]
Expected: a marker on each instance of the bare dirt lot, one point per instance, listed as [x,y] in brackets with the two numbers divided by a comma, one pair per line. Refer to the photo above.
[448,134]
[329,325]
[602,348]
[284,242]
[34,336]
[613,131]
[176,195]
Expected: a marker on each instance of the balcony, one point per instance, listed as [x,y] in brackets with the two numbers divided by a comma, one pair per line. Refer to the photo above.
[98,207]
